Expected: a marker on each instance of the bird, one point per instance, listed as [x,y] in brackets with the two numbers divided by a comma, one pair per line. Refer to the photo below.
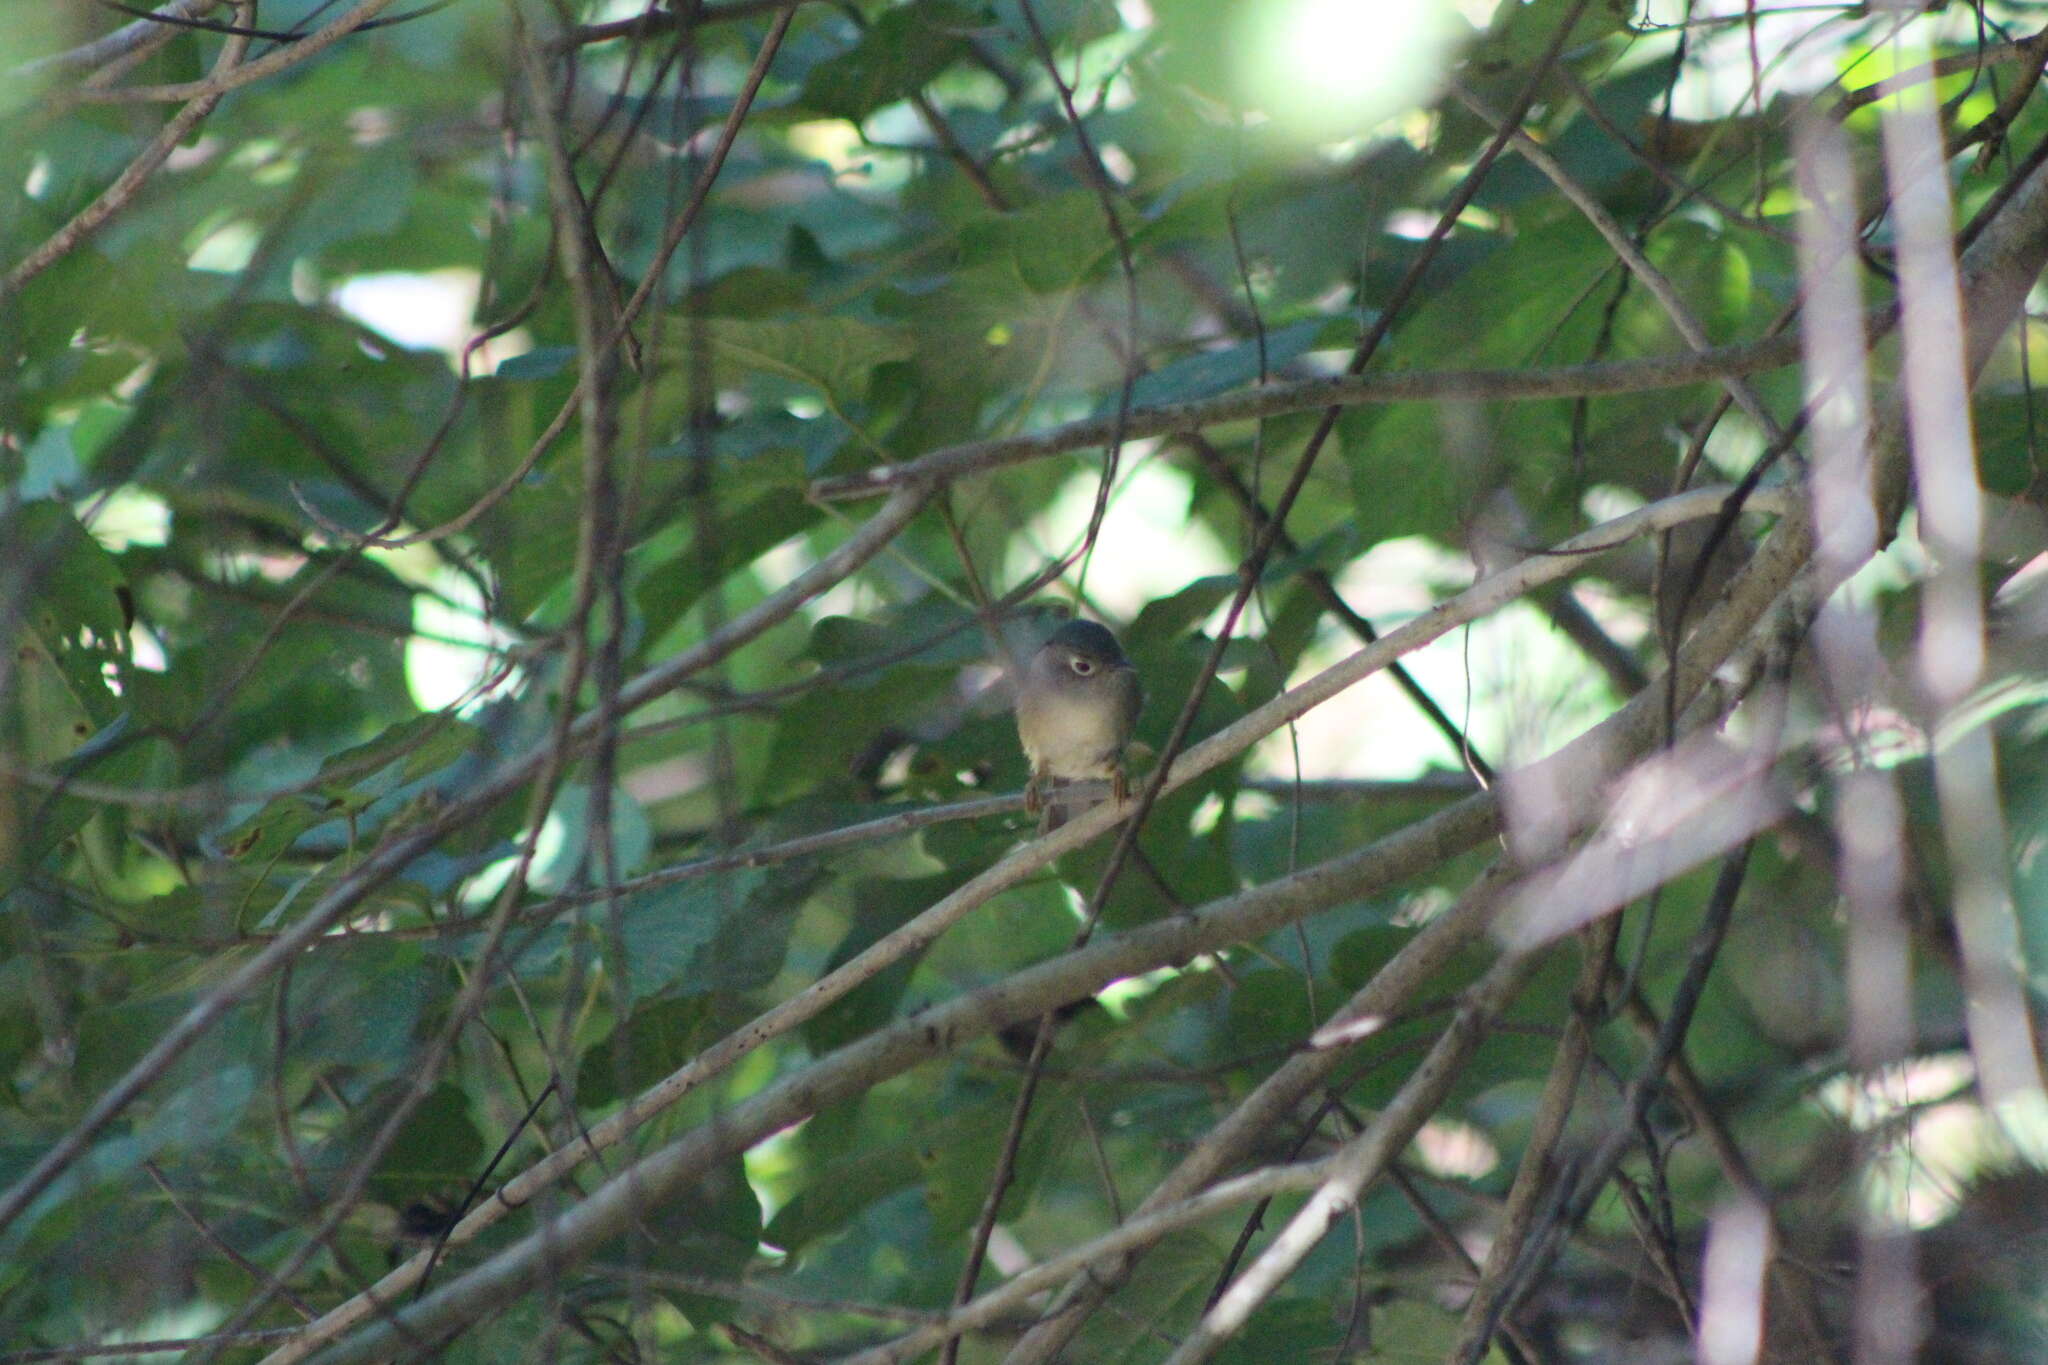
[1078,702]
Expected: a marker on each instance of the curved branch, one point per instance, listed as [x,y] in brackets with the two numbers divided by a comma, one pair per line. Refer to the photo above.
[620,325]
[1997,271]
[1725,633]
[582,1230]
[1026,995]
[1633,256]
[1383,1139]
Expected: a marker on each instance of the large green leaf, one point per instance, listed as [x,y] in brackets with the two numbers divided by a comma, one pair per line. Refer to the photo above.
[833,356]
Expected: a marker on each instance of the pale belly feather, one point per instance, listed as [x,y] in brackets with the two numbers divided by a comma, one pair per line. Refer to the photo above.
[1070,737]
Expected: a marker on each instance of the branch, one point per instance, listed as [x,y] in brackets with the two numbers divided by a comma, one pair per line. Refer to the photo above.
[1654,280]
[1145,1226]
[1553,1111]
[1496,1295]
[1955,65]
[865,543]
[108,47]
[128,184]
[760,1296]
[1015,1295]
[1433,784]
[1386,386]
[1363,1159]
[893,826]
[1572,773]
[1324,589]
[1390,860]
[48,1355]
[1026,995]
[657,269]
[650,22]
[1996,273]
[263,67]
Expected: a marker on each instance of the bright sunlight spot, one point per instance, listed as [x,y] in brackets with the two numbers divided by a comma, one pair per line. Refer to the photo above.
[1934,1140]
[226,249]
[130,515]
[1511,679]
[833,141]
[1148,548]
[1335,68]
[449,655]
[424,311]
[427,310]
[1455,1150]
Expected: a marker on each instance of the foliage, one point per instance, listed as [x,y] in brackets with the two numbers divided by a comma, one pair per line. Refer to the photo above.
[416,744]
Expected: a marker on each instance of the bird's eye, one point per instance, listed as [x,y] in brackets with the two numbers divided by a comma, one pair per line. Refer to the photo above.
[1082,666]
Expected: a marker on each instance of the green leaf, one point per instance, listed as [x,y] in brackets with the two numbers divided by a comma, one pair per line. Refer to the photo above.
[542,362]
[1230,367]
[362,1007]
[722,932]
[659,1037]
[832,355]
[80,586]
[711,1229]
[1051,245]
[879,907]
[838,1191]
[1522,33]
[901,52]
[438,1151]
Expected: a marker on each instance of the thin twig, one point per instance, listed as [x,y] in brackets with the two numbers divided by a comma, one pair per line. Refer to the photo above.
[223,1246]
[122,41]
[221,82]
[1308,395]
[1325,590]
[128,184]
[46,1355]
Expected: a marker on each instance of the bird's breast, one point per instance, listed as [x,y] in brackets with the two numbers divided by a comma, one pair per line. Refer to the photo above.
[1071,735]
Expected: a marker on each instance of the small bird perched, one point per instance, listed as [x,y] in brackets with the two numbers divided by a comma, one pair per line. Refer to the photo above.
[1077,706]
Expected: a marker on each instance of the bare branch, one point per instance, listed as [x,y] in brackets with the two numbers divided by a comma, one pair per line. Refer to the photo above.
[108,47]
[1560,1088]
[1624,246]
[1354,1165]
[1307,395]
[49,1355]
[128,184]
[667,19]
[218,84]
